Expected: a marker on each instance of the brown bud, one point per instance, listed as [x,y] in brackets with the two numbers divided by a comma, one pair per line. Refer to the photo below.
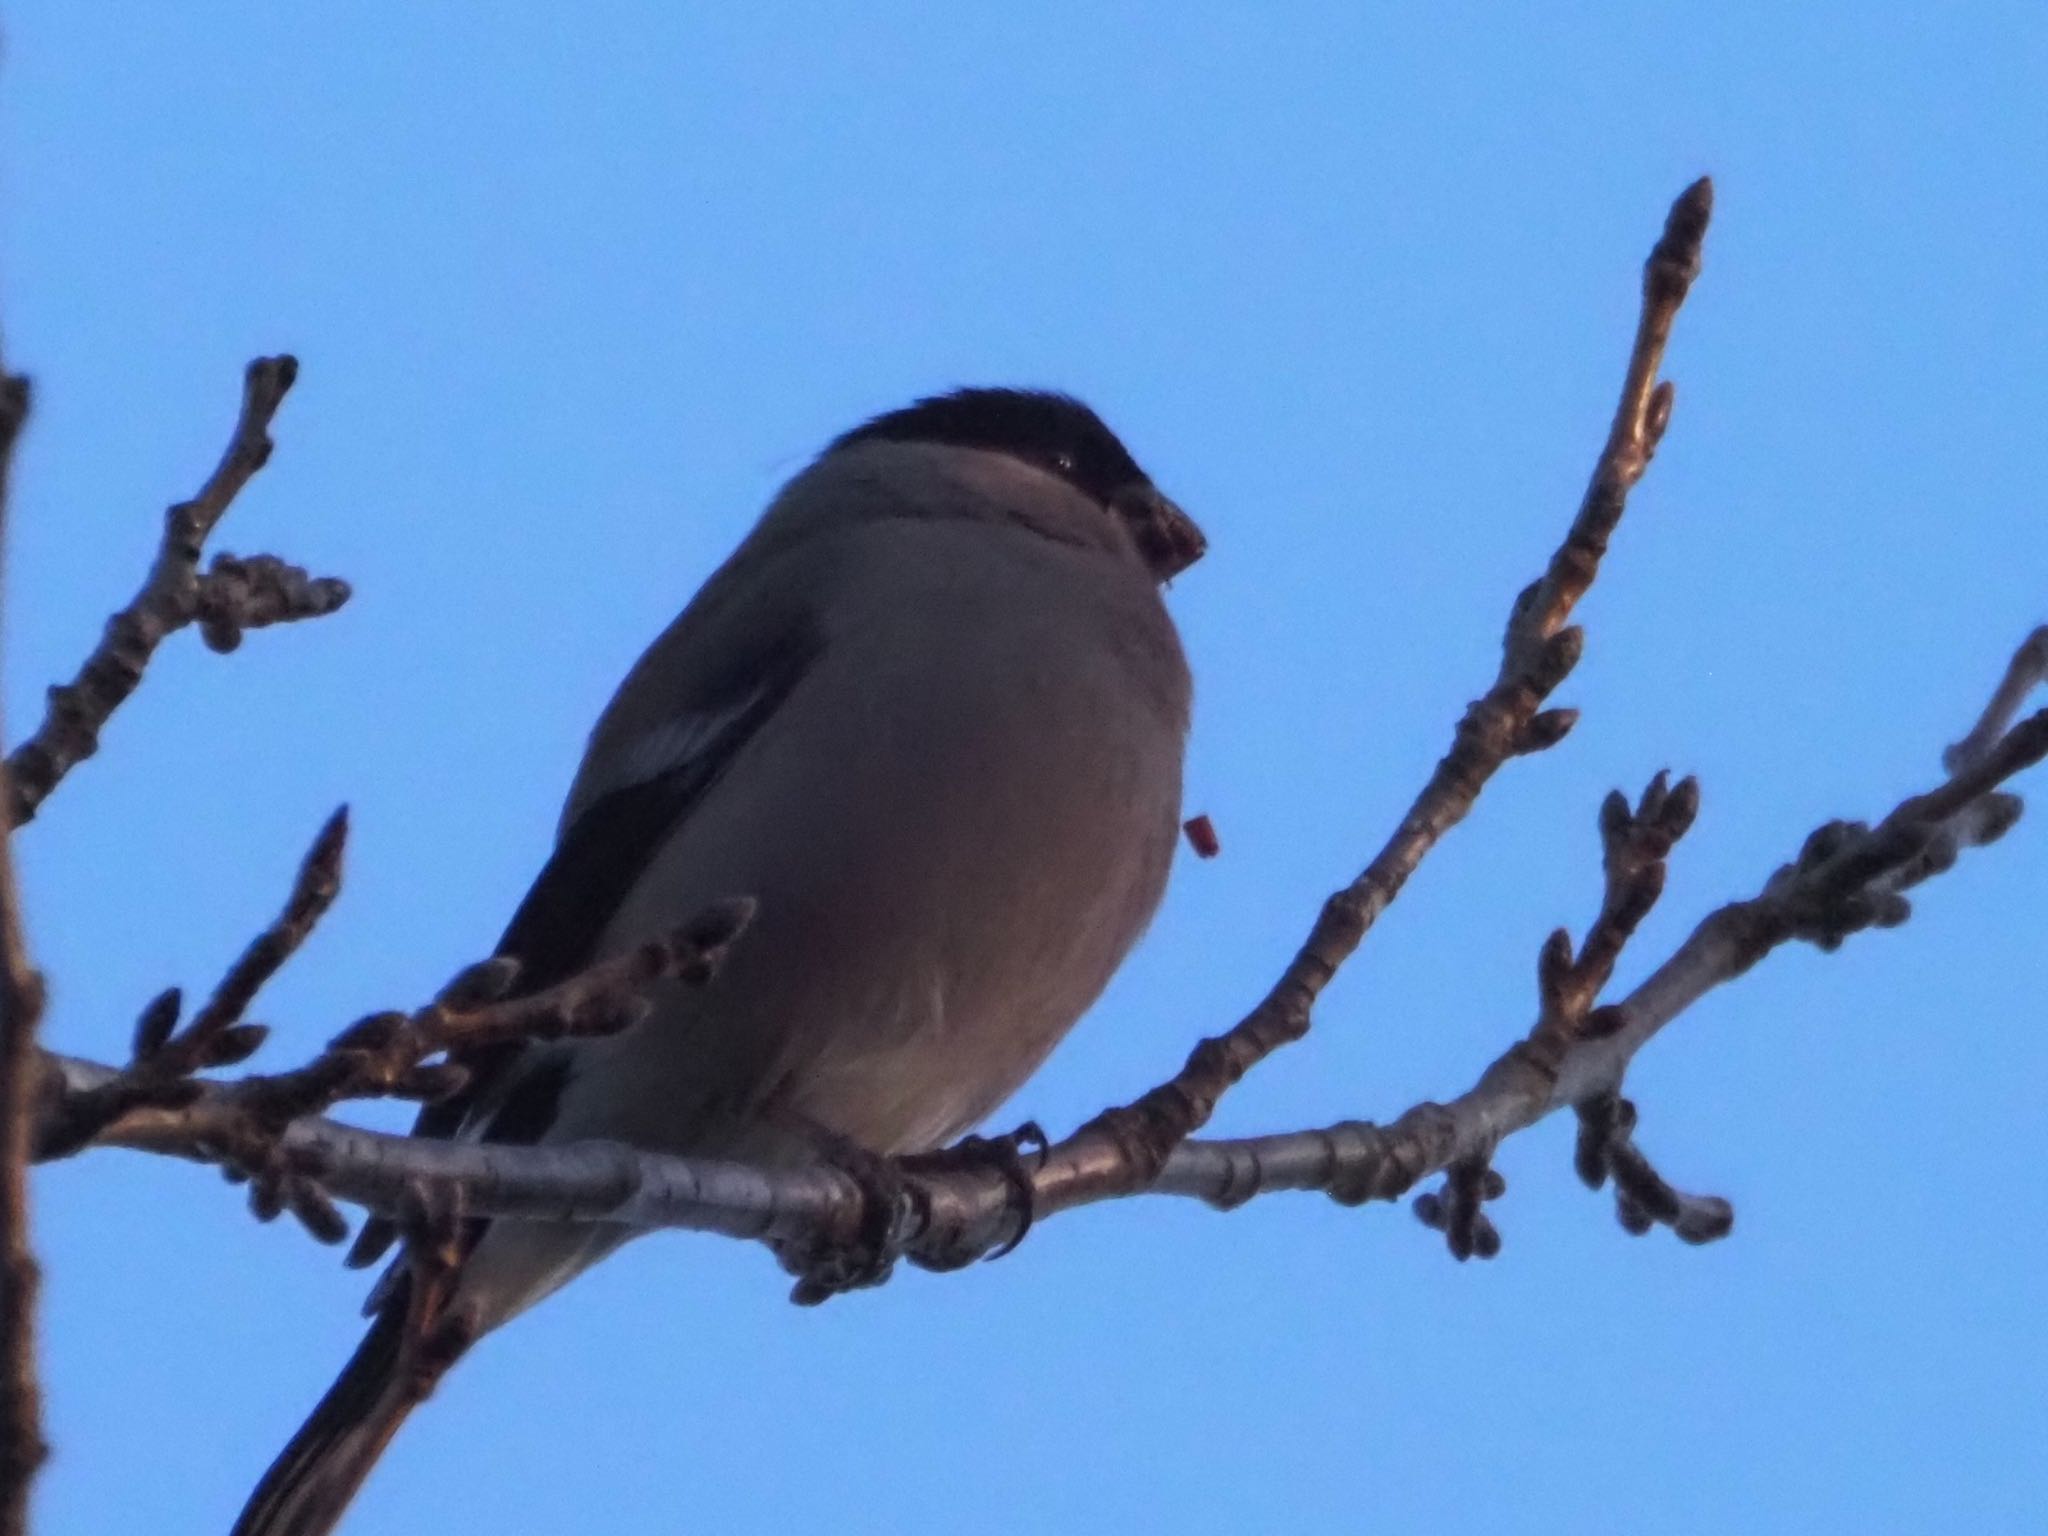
[1589,1153]
[1683,808]
[373,1032]
[2001,812]
[1651,806]
[1546,730]
[1615,816]
[159,1017]
[316,1213]
[236,1043]
[373,1240]
[484,982]
[1485,1238]
[1658,415]
[266,1197]
[1561,653]
[1554,968]
[1706,1219]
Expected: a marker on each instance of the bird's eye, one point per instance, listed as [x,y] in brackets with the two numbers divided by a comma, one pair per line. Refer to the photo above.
[1063,462]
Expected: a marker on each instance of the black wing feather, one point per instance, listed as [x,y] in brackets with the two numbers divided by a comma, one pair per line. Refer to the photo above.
[600,857]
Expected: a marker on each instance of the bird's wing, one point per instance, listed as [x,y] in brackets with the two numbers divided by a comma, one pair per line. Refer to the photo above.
[685,712]
[631,798]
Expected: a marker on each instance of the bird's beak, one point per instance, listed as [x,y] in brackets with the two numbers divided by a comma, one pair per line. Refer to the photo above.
[1166,536]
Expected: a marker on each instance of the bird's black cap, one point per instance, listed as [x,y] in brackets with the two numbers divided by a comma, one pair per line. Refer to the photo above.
[1056,432]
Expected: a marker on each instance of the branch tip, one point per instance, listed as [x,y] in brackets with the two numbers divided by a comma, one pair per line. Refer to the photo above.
[154,1024]
[1539,650]
[1545,730]
[235,595]
[1675,260]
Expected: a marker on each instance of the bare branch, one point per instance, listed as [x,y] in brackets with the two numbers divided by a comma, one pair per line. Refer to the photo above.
[22,1449]
[955,1212]
[1537,653]
[256,591]
[1847,877]
[243,1126]
[601,1000]
[1635,850]
[1635,847]
[313,892]
[945,1210]
[234,596]
[164,1058]
[2029,669]
[1642,1199]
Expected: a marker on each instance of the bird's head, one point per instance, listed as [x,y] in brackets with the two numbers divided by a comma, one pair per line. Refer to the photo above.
[1057,434]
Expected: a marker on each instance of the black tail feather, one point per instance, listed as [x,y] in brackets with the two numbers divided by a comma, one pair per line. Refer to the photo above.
[309,1486]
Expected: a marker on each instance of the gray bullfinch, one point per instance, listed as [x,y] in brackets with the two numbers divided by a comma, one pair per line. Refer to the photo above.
[930,716]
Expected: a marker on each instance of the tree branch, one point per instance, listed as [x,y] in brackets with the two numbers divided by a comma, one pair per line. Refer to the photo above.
[1538,652]
[243,1126]
[1837,885]
[234,595]
[22,1449]
[944,1212]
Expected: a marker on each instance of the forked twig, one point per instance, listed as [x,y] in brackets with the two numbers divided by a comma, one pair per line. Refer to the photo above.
[1538,652]
[235,595]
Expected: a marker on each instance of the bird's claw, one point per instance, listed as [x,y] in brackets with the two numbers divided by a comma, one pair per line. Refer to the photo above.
[1005,1155]
[825,1269]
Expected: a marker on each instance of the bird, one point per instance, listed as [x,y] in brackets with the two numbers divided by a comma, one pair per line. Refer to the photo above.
[930,718]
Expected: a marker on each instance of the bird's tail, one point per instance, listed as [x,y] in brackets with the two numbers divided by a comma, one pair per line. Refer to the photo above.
[309,1486]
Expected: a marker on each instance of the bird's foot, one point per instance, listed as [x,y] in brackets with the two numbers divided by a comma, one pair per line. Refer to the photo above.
[1005,1155]
[439,1326]
[824,1269]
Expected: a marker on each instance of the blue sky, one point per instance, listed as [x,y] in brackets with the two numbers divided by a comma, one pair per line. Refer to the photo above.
[573,295]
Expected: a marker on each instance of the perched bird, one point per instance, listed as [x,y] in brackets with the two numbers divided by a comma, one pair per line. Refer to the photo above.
[930,716]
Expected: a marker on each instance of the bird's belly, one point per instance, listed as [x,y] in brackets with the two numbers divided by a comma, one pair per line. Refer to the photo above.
[936,909]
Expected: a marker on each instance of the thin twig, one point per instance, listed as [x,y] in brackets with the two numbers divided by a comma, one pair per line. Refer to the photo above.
[1537,653]
[22,1449]
[1635,847]
[2027,671]
[243,1126]
[959,1212]
[1839,883]
[243,592]
[164,1058]
[172,596]
[603,999]
[313,891]
[1643,1198]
